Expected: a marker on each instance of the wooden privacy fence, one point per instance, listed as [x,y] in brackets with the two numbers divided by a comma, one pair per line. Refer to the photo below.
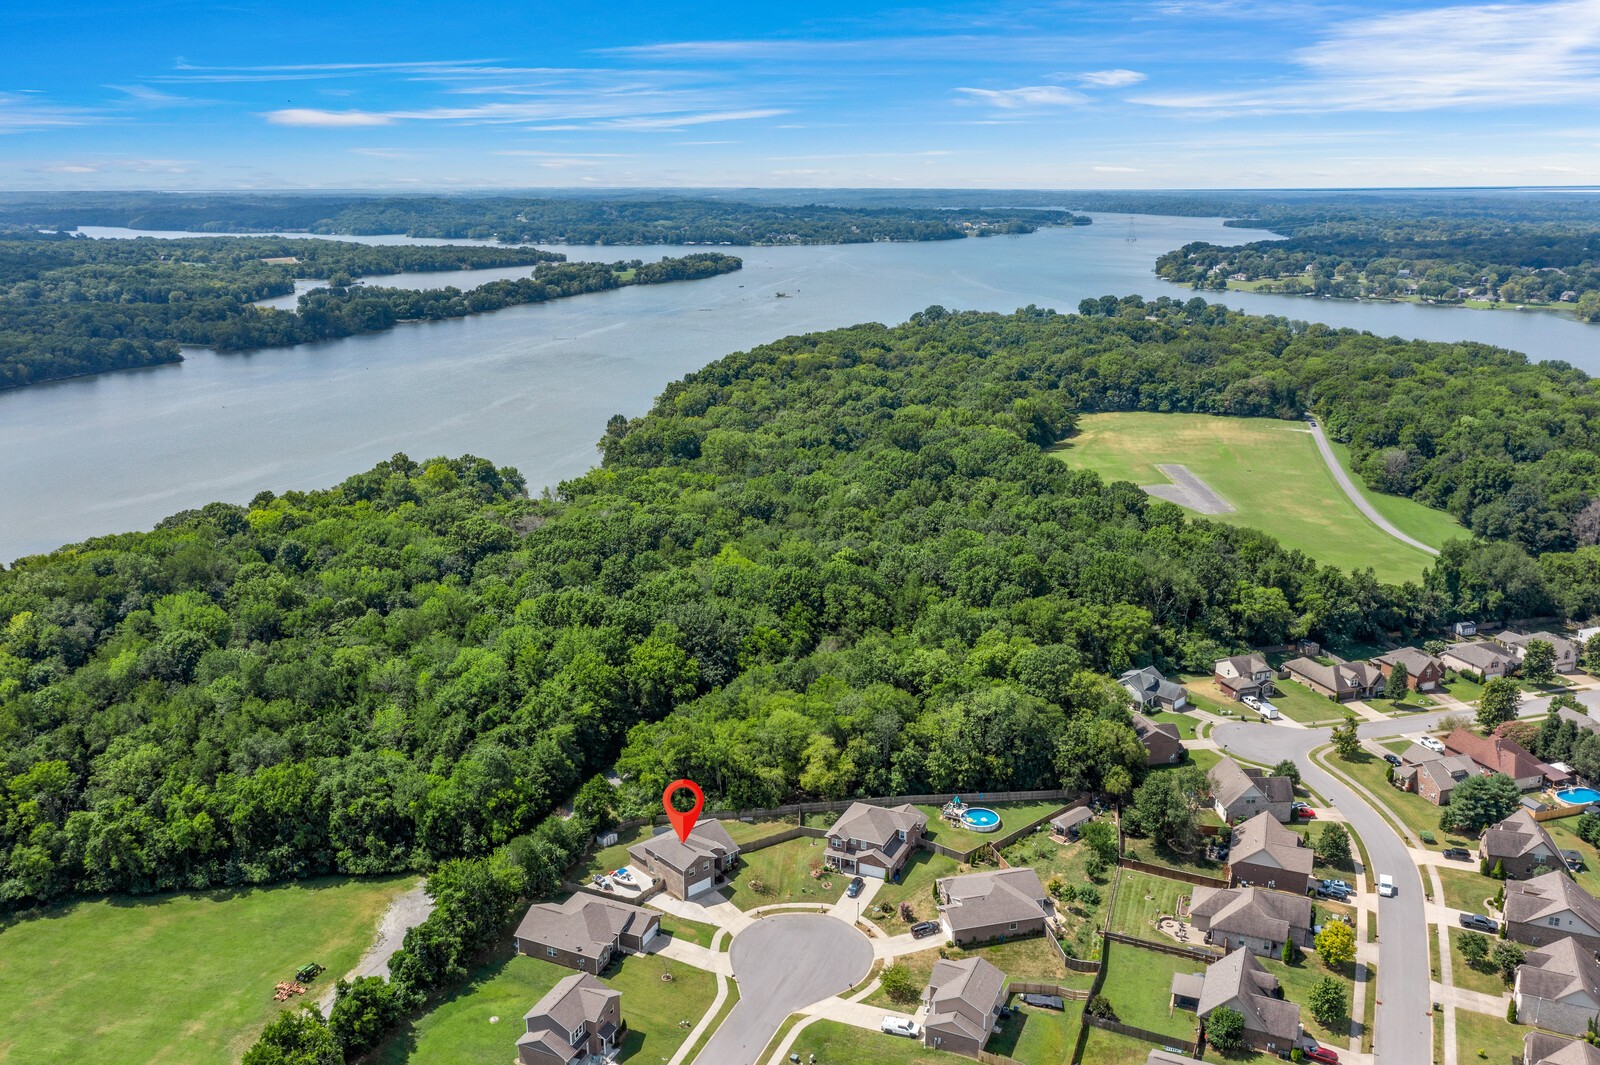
[1017,988]
[1556,812]
[1187,1046]
[1198,879]
[797,832]
[802,808]
[1196,953]
[995,1059]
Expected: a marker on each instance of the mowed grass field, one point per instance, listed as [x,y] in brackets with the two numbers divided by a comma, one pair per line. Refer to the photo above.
[174,979]
[1271,473]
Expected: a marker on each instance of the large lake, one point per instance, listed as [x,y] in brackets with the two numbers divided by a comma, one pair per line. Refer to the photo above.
[532,386]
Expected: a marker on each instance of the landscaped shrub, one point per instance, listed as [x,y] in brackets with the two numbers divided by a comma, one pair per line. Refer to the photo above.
[1426,836]
[1100,1006]
[1225,1029]
[898,983]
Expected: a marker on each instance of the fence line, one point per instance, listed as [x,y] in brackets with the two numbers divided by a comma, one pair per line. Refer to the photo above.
[845,804]
[1077,993]
[1188,1046]
[1196,953]
[1556,812]
[797,832]
[1197,879]
[995,1059]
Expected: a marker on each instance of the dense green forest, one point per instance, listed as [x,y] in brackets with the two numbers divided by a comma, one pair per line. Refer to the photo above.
[72,306]
[837,564]
[569,220]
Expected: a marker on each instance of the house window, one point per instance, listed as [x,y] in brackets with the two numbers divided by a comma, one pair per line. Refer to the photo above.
[1555,922]
[1012,927]
[705,867]
[577,1035]
[551,951]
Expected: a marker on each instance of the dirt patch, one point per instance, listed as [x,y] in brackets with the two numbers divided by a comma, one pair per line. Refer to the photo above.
[404,913]
[1188,491]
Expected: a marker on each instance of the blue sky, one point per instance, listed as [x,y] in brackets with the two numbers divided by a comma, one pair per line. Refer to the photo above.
[1164,94]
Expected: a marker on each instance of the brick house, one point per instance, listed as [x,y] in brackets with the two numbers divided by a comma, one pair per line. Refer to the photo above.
[1432,775]
[585,932]
[699,863]
[1271,1023]
[1238,794]
[1498,754]
[1256,918]
[1000,904]
[1163,744]
[1267,854]
[874,841]
[1243,675]
[1521,846]
[1424,672]
[963,999]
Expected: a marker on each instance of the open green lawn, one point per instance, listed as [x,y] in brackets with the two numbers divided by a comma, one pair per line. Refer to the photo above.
[1297,981]
[1204,694]
[1013,815]
[1070,861]
[1428,524]
[915,887]
[179,979]
[1139,986]
[1465,975]
[1038,1037]
[1561,831]
[742,832]
[1464,690]
[462,1029]
[1032,960]
[782,873]
[1186,722]
[1141,898]
[1204,758]
[688,931]
[612,857]
[1248,461]
[835,1043]
[1415,812]
[1465,889]
[1302,704]
[1479,1031]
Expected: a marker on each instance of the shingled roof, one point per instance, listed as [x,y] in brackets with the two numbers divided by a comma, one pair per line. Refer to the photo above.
[1563,968]
[1341,677]
[708,840]
[1262,841]
[963,995]
[1542,1048]
[1253,912]
[1240,980]
[583,925]
[1531,901]
[1497,754]
[982,900]
[577,1001]
[1517,836]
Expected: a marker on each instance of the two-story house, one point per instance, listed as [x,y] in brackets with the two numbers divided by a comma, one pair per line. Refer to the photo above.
[1239,794]
[1424,672]
[577,1019]
[1267,854]
[1542,910]
[963,1000]
[689,867]
[1243,675]
[875,841]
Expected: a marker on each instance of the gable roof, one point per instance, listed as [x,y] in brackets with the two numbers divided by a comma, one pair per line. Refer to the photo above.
[1150,682]
[1230,783]
[1003,896]
[1522,639]
[583,925]
[1241,665]
[1253,912]
[1447,770]
[1240,981]
[1562,970]
[1339,677]
[877,825]
[1588,721]
[1479,654]
[1542,1048]
[1497,754]
[963,995]
[1262,841]
[708,840]
[1072,818]
[1147,730]
[1546,895]
[1518,836]
[577,1001]
[1414,660]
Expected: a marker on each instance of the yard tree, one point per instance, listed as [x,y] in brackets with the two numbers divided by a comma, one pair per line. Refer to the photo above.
[1345,741]
[1328,1001]
[1090,751]
[1398,685]
[1099,836]
[362,1012]
[1336,943]
[1479,802]
[1225,1029]
[1474,947]
[898,984]
[1505,957]
[1333,846]
[1591,653]
[1287,768]
[295,1038]
[1499,703]
[1539,662]
[1164,807]
[1089,895]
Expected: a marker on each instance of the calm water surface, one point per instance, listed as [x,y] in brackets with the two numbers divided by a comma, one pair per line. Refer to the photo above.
[532,386]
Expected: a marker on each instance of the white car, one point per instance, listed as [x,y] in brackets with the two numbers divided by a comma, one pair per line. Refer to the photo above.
[901,1026]
[1432,744]
[1251,701]
[1386,885]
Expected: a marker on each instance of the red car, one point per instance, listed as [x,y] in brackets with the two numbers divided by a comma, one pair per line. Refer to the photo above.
[1322,1054]
[1304,812]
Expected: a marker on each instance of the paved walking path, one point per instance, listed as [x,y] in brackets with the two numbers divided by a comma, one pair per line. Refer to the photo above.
[1472,1001]
[712,961]
[704,1022]
[1355,495]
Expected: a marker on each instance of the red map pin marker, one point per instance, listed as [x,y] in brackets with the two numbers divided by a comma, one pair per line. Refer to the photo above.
[682,820]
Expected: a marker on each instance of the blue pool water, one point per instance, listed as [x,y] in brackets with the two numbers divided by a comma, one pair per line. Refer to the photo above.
[1577,796]
[980,819]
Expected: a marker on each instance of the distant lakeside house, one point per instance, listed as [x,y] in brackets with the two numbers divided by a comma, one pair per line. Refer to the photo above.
[874,841]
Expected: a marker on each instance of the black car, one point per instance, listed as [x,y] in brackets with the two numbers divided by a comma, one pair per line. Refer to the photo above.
[923,929]
[1392,759]
[1459,854]
[855,887]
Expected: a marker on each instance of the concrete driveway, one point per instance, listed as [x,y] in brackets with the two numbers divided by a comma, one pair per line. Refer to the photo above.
[848,909]
[784,963]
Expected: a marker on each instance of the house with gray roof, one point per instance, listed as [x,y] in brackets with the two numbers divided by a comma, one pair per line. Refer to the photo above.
[1542,1048]
[1149,688]
[1240,982]
[585,932]
[577,1019]
[689,867]
[1239,793]
[1266,854]
[1341,681]
[1542,910]
[963,999]
[1002,903]
[874,841]
[1558,987]
[1243,675]
[1516,644]
[1432,775]
[1065,826]
[1424,672]
[1163,745]
[1520,845]
[1485,659]
[1252,917]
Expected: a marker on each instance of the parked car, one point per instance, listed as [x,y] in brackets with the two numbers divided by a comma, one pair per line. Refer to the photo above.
[1045,1002]
[1392,759]
[1304,811]
[1251,701]
[1480,922]
[1322,1054]
[856,887]
[901,1026]
[1335,893]
[1458,854]
[923,929]
[1436,746]
[1386,888]
[1340,885]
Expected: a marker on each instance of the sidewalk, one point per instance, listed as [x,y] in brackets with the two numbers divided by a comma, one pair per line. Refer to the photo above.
[692,954]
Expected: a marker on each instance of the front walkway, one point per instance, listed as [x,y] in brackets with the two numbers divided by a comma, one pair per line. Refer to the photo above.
[848,909]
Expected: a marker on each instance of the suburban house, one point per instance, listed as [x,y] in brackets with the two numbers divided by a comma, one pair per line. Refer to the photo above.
[585,932]
[1542,910]
[963,999]
[699,863]
[1432,775]
[1542,1048]
[1064,826]
[1516,644]
[875,841]
[1267,854]
[1240,982]
[1497,754]
[1341,681]
[980,907]
[1243,675]
[1251,917]
[577,1019]
[1424,672]
[1521,846]
[1149,688]
[1481,657]
[1162,743]
[1239,794]
[1558,987]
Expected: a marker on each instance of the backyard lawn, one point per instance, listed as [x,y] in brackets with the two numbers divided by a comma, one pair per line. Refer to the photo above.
[480,1021]
[1204,694]
[1038,1037]
[1013,815]
[1032,960]
[782,873]
[612,857]
[174,979]
[1141,898]
[743,832]
[1466,889]
[915,887]
[1186,722]
[1561,831]
[1070,861]
[835,1043]
[1306,706]
[1138,985]
[1465,975]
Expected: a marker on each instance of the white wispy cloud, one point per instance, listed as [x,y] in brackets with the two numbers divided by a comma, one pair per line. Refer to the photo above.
[1110,79]
[26,112]
[117,164]
[1026,96]
[1116,169]
[311,116]
[619,113]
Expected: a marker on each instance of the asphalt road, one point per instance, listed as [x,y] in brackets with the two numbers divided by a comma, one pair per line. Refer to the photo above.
[1356,497]
[782,963]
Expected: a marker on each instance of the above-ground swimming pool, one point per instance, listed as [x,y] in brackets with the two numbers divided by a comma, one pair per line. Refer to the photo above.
[980,819]
[1577,796]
